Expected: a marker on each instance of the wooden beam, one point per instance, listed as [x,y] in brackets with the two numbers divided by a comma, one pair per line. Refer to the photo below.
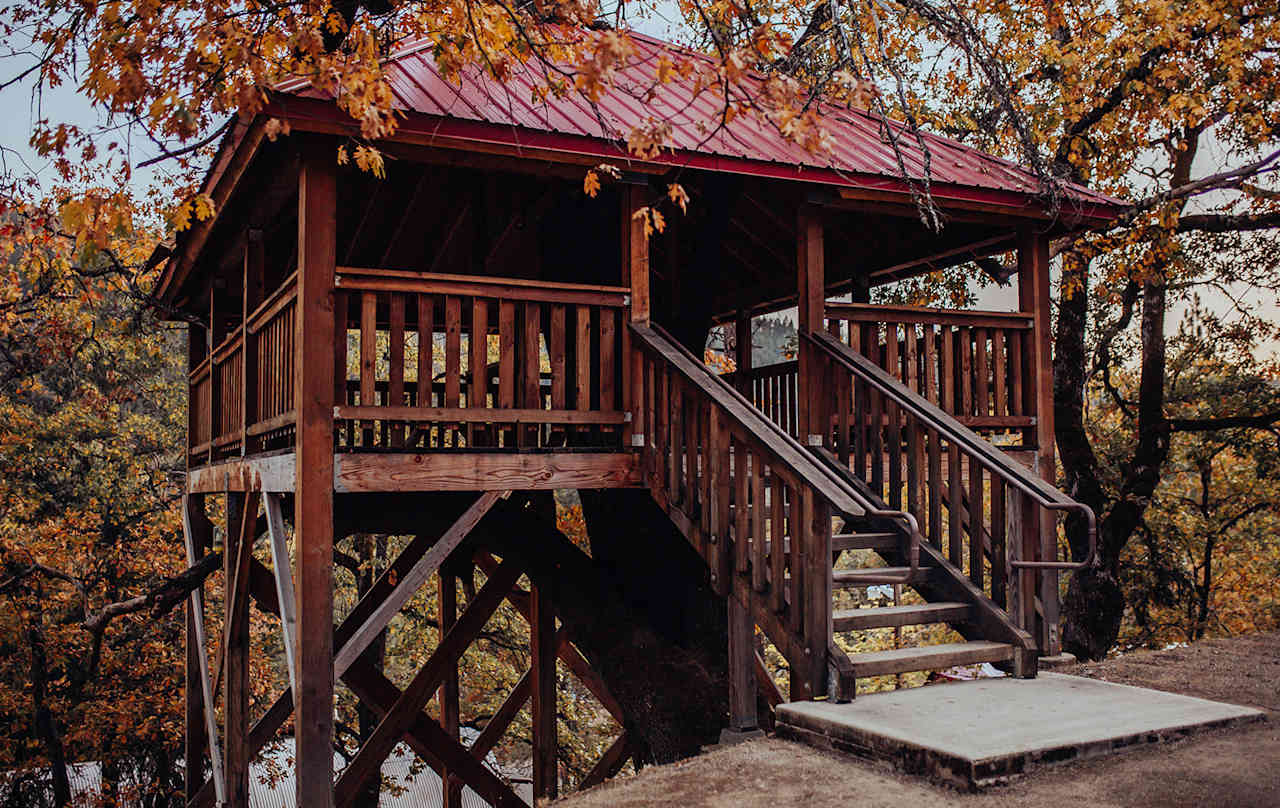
[809,314]
[407,583]
[448,695]
[356,473]
[197,535]
[283,579]
[501,720]
[276,473]
[429,740]
[400,716]
[742,671]
[542,654]
[313,509]
[242,516]
[1040,533]
[254,291]
[609,764]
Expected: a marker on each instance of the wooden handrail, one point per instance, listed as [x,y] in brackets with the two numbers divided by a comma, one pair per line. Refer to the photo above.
[275,301]
[386,280]
[877,313]
[228,346]
[991,458]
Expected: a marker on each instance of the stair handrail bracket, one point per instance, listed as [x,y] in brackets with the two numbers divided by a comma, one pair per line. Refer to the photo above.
[989,456]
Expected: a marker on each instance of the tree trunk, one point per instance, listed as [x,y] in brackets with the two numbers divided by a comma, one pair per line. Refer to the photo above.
[45,725]
[1094,605]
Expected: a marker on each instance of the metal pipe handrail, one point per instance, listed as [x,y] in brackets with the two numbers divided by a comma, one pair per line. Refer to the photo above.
[868,507]
[992,459]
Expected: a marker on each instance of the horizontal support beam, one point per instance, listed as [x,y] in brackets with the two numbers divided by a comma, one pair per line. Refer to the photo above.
[275,474]
[361,473]
[429,471]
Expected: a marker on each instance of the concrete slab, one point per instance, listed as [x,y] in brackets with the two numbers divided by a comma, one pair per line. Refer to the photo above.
[984,732]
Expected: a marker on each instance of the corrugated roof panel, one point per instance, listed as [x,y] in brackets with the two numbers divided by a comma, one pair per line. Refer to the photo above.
[858,142]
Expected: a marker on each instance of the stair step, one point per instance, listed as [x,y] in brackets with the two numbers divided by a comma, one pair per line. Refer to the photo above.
[894,616]
[865,541]
[929,657]
[872,576]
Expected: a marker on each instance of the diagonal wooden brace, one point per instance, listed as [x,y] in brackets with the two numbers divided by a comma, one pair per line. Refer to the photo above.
[402,714]
[206,685]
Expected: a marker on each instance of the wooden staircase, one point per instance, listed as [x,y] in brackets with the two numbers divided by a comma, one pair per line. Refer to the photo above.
[760,508]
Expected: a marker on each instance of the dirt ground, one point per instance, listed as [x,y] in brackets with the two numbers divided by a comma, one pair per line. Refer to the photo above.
[1233,767]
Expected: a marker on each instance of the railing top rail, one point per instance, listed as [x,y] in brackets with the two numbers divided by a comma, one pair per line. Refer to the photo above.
[376,279]
[878,313]
[229,346]
[274,302]
[200,372]
[989,456]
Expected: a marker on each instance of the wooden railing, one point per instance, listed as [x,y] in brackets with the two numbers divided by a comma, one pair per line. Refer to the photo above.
[272,330]
[453,362]
[200,411]
[751,500]
[984,508]
[772,389]
[242,402]
[972,364]
[227,371]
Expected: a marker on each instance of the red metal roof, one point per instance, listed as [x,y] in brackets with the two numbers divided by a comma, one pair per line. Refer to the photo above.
[482,109]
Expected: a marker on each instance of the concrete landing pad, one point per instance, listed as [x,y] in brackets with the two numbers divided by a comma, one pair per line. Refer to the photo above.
[984,732]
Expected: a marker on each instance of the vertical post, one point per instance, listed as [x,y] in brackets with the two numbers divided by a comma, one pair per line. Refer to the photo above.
[742,351]
[197,528]
[812,284]
[742,669]
[313,502]
[236,656]
[542,637]
[448,694]
[1041,532]
[217,330]
[254,293]
[815,515]
[635,256]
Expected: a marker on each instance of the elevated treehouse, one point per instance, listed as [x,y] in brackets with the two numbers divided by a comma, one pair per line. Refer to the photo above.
[402,355]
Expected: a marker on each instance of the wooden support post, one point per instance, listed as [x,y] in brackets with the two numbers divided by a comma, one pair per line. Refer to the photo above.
[815,524]
[1041,533]
[201,724]
[635,256]
[811,280]
[448,693]
[742,668]
[241,513]
[254,293]
[542,638]
[742,352]
[313,502]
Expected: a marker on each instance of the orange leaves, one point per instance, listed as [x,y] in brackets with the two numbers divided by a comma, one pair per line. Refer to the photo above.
[598,58]
[646,141]
[591,184]
[678,196]
[652,219]
[199,207]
